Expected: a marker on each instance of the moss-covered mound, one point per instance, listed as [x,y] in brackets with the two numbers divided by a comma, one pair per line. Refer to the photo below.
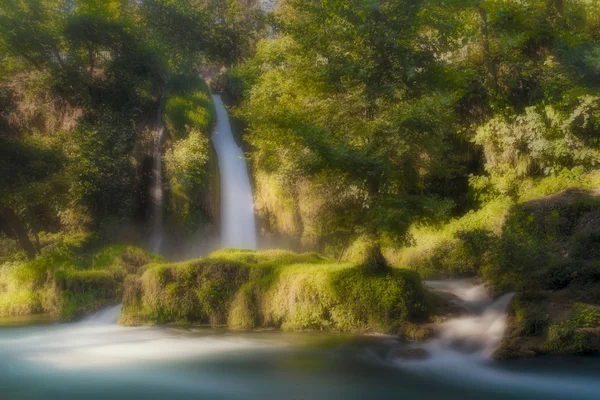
[273,289]
[67,284]
[547,250]
[521,224]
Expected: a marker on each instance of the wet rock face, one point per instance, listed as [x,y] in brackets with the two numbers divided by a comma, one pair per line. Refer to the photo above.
[409,353]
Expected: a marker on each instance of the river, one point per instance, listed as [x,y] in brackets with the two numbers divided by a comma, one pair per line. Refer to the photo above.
[98,359]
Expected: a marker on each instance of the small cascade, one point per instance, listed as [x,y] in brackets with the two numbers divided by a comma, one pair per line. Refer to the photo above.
[156,190]
[106,316]
[482,327]
[479,334]
[238,225]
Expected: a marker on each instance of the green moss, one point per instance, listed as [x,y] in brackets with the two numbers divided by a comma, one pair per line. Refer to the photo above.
[84,292]
[379,301]
[67,284]
[197,291]
[269,257]
[122,260]
[280,289]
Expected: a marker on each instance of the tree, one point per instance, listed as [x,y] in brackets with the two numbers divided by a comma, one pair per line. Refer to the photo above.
[344,98]
[22,167]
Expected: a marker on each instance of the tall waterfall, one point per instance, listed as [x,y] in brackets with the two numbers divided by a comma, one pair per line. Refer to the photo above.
[238,226]
[156,190]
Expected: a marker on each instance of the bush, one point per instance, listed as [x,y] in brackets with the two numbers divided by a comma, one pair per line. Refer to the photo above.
[585,245]
[557,277]
[189,106]
[588,274]
[122,260]
[568,337]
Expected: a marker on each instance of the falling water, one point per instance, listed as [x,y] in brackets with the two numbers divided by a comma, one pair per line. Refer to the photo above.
[156,190]
[238,226]
[106,316]
[477,333]
[461,353]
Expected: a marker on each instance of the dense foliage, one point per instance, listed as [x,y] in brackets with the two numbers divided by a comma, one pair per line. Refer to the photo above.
[83,85]
[437,135]
[392,112]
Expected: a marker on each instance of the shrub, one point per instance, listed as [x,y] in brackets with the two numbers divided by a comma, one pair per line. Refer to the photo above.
[557,277]
[122,260]
[567,336]
[587,274]
[585,245]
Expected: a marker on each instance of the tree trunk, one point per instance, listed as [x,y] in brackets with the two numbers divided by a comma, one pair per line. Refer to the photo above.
[372,258]
[14,223]
[36,235]
[91,61]
[487,53]
[345,245]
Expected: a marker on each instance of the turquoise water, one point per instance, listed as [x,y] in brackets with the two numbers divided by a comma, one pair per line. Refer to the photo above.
[99,360]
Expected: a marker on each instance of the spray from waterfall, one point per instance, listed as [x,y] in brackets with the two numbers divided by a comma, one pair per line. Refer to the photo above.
[238,225]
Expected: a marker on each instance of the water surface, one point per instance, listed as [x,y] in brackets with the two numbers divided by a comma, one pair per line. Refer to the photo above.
[97,359]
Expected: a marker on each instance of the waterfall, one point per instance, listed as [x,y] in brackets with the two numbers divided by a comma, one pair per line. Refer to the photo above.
[238,225]
[156,189]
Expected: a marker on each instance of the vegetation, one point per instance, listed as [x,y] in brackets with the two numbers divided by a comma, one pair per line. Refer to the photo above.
[366,118]
[401,139]
[83,86]
[245,290]
[189,118]
[68,282]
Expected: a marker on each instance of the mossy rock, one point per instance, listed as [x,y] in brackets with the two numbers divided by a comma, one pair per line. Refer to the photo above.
[84,292]
[274,289]
[122,260]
